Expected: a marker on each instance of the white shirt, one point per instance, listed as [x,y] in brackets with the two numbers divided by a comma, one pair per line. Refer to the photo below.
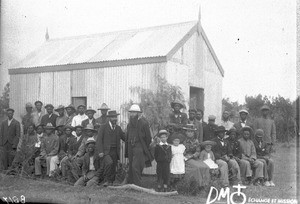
[90,121]
[92,167]
[9,121]
[243,124]
[77,120]
[161,143]
[77,137]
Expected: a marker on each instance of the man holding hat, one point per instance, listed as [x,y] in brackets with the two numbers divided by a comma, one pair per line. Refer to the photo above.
[90,120]
[225,122]
[138,139]
[70,109]
[177,119]
[210,128]
[49,151]
[50,117]
[77,120]
[62,118]
[27,119]
[192,120]
[10,131]
[108,144]
[38,114]
[267,125]
[103,119]
[243,120]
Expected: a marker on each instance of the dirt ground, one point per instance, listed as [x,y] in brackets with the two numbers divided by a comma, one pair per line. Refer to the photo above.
[46,191]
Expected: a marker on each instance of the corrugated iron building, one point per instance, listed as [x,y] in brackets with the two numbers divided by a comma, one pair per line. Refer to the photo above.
[101,68]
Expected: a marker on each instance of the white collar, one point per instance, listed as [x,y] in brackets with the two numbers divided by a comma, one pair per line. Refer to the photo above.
[244,121]
[161,143]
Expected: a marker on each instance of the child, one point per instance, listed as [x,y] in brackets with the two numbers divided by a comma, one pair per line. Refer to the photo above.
[92,170]
[177,166]
[163,156]
[207,156]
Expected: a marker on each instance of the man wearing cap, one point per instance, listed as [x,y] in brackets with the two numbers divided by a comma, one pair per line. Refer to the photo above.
[177,119]
[108,144]
[50,117]
[90,120]
[77,120]
[10,131]
[27,118]
[62,118]
[223,153]
[103,119]
[243,121]
[49,150]
[138,139]
[192,120]
[38,114]
[70,109]
[268,126]
[210,128]
[225,122]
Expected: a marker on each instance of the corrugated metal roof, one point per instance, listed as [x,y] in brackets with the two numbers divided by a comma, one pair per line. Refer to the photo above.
[121,45]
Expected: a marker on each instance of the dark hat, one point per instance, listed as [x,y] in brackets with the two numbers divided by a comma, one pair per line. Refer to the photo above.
[38,102]
[59,126]
[78,126]
[104,107]
[190,127]
[112,113]
[90,110]
[207,142]
[49,105]
[220,129]
[233,129]
[70,106]
[162,132]
[69,127]
[259,133]
[90,127]
[247,128]
[177,102]
[59,107]
[177,135]
[81,106]
[49,126]
[265,107]
[10,109]
[193,110]
[211,117]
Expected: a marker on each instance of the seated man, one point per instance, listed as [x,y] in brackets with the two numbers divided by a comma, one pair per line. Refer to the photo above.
[49,150]
[92,170]
[249,158]
[222,152]
[263,152]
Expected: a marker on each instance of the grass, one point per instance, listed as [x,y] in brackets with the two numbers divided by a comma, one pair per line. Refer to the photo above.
[50,192]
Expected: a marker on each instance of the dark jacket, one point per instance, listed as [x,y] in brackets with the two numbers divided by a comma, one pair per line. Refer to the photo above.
[163,153]
[11,133]
[238,126]
[144,137]
[220,150]
[103,142]
[209,132]
[86,164]
[86,121]
[235,148]
[45,119]
[178,122]
[262,151]
[64,145]
[74,145]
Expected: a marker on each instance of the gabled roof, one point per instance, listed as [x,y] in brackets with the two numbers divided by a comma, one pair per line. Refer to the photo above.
[148,45]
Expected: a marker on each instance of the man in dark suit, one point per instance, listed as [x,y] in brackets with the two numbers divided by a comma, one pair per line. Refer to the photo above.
[50,117]
[243,121]
[90,120]
[210,128]
[222,151]
[108,145]
[9,138]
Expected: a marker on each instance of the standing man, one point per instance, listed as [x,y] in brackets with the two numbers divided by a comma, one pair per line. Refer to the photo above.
[177,119]
[225,122]
[27,119]
[70,109]
[210,128]
[50,117]
[62,118]
[38,114]
[108,144]
[192,120]
[77,120]
[9,138]
[138,139]
[90,120]
[268,126]
[103,119]
[243,121]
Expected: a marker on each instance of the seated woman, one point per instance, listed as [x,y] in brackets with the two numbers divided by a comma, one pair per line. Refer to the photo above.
[194,167]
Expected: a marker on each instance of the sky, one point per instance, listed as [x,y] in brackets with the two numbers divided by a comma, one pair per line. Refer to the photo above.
[255,40]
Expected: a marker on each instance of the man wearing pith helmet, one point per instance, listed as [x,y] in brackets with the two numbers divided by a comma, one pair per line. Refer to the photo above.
[267,125]
[138,139]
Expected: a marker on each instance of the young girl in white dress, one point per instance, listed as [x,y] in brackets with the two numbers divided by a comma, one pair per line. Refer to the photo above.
[177,166]
[207,156]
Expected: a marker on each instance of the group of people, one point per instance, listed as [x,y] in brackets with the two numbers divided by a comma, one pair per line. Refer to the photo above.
[87,149]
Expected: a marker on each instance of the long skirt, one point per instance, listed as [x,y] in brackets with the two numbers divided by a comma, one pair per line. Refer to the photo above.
[199,170]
